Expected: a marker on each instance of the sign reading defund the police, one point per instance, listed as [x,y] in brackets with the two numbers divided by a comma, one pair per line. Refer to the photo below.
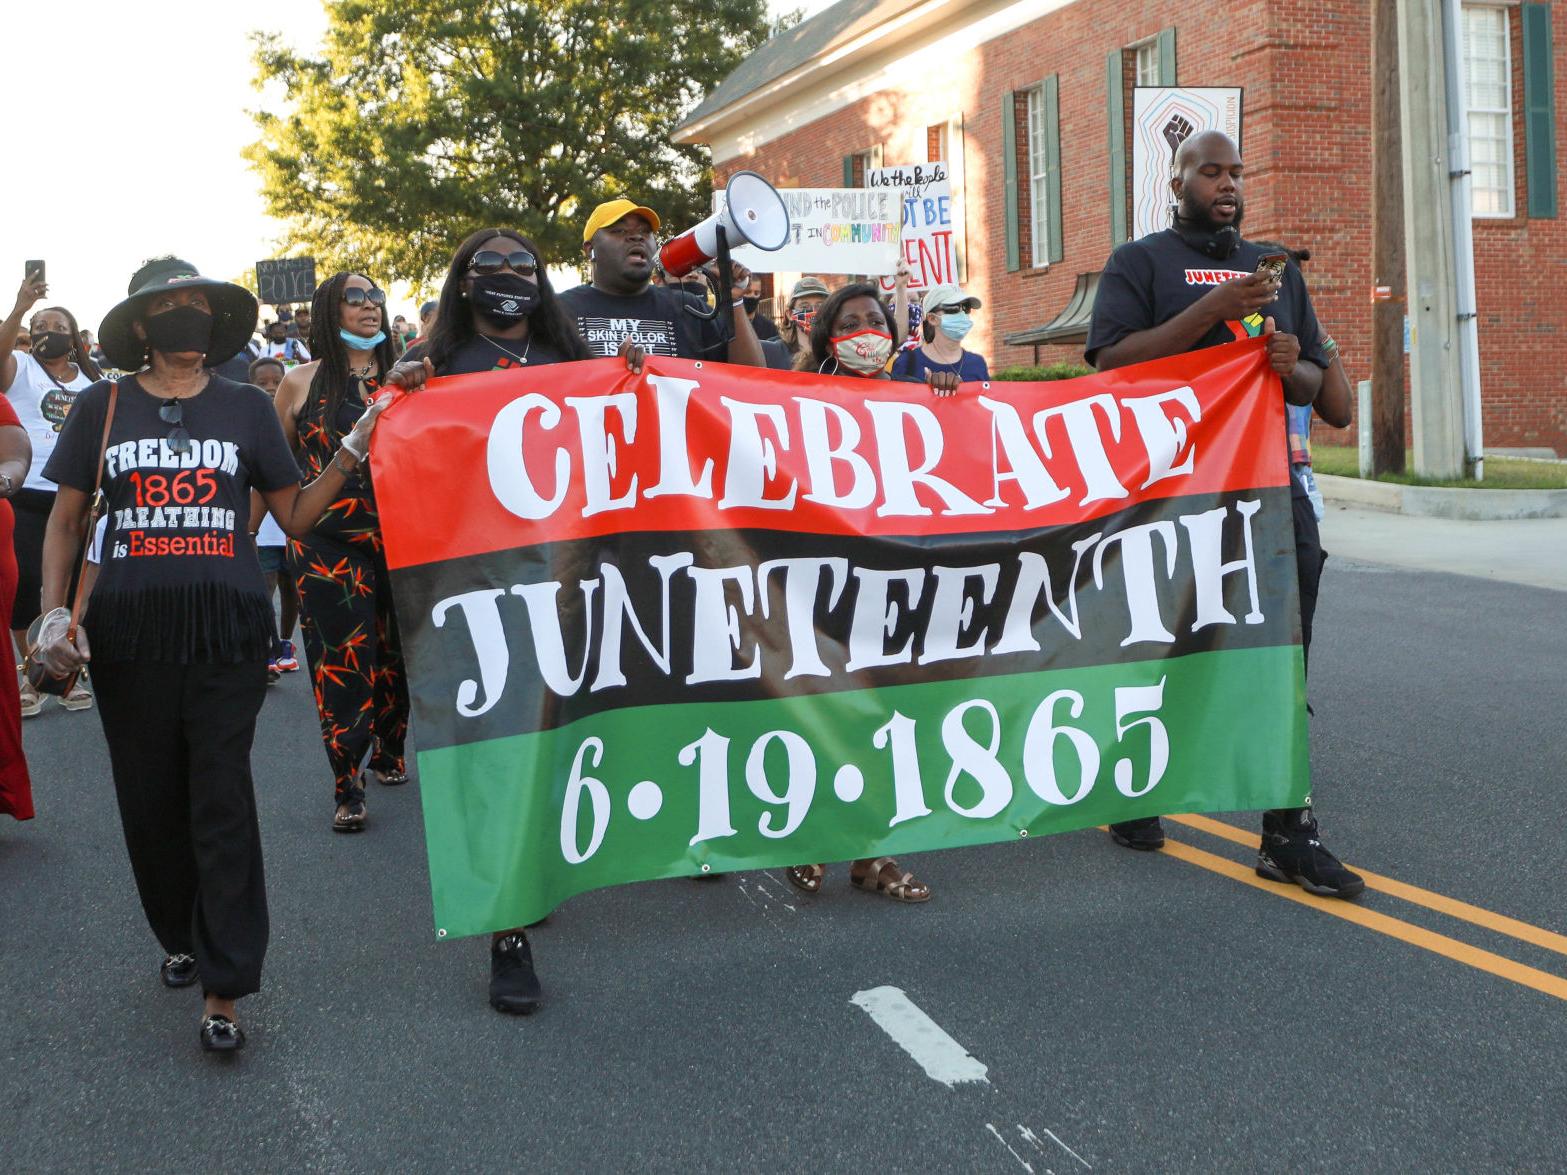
[710,617]
[832,230]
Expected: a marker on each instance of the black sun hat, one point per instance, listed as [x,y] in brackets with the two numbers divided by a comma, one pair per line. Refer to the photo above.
[234,313]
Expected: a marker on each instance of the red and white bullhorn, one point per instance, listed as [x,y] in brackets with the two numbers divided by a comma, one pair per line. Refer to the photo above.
[753,213]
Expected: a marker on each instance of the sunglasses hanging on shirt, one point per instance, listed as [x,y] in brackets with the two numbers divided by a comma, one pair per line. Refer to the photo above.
[171,412]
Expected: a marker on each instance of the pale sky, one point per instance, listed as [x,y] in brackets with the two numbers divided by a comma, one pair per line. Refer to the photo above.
[127,128]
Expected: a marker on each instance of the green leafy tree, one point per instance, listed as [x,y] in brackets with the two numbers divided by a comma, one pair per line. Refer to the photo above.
[421,120]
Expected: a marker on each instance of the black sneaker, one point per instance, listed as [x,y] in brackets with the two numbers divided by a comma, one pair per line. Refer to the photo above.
[178,971]
[1144,835]
[514,987]
[1292,850]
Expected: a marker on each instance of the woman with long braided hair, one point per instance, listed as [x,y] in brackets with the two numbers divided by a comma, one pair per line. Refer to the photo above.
[351,642]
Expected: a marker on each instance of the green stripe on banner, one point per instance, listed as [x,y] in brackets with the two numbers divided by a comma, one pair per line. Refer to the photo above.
[516,825]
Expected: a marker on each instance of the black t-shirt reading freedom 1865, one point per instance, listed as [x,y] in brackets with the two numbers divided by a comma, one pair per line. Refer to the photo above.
[656,320]
[180,581]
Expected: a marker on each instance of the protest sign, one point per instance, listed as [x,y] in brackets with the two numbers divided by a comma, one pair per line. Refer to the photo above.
[928,243]
[832,230]
[710,617]
[285,280]
[1162,117]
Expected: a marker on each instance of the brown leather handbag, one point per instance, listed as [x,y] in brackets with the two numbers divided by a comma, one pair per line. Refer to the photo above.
[37,676]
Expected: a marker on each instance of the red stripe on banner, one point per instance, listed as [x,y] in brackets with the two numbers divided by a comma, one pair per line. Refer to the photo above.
[477,463]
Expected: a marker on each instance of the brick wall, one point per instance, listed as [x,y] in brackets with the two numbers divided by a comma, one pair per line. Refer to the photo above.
[1305,69]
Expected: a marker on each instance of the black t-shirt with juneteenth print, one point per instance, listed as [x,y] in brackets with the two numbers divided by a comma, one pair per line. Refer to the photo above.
[481,353]
[180,581]
[656,320]
[1149,281]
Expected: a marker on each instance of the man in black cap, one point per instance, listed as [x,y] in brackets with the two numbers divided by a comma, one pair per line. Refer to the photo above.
[1198,284]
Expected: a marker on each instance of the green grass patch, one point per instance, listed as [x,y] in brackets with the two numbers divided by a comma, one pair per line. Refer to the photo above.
[1040,374]
[1501,473]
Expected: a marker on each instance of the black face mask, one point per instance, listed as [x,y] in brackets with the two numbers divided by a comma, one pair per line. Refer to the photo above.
[751,304]
[185,328]
[1211,242]
[52,344]
[504,298]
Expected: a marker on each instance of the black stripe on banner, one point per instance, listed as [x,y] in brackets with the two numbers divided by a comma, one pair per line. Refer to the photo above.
[514,641]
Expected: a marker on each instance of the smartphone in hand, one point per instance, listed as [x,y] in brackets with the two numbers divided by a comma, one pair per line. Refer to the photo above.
[1273,264]
[35,271]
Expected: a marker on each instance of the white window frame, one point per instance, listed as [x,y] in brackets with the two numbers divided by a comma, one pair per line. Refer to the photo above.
[1508,194]
[1145,63]
[1038,181]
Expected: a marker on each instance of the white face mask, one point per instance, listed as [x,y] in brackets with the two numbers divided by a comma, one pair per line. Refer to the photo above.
[865,352]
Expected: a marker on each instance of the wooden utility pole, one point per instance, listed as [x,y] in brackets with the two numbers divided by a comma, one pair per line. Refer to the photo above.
[1387,258]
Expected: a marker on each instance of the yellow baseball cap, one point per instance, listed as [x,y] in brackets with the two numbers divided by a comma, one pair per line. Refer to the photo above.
[610,211]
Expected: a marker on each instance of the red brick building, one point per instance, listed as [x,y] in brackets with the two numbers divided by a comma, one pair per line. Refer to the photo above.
[1029,102]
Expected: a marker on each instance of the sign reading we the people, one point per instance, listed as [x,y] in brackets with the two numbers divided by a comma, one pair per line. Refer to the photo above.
[928,243]
[711,617]
[832,230]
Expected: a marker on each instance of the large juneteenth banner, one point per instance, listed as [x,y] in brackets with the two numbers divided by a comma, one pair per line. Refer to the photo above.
[711,617]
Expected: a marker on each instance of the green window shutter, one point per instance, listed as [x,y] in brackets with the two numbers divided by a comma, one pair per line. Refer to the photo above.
[848,171]
[1050,96]
[1539,110]
[1167,57]
[1115,105]
[1009,175]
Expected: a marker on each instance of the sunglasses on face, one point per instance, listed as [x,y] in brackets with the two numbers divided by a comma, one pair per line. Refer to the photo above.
[171,412]
[357,297]
[960,308]
[520,262]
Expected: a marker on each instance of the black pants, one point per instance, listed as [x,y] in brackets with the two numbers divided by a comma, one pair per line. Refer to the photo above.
[179,744]
[32,516]
[1309,558]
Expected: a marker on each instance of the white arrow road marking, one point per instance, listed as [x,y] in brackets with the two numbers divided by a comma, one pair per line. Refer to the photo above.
[999,1138]
[942,1058]
[1032,1138]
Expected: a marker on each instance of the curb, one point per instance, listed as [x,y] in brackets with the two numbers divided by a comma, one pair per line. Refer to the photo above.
[1439,502]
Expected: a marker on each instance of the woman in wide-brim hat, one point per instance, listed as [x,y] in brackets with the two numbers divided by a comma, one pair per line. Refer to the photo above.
[180,625]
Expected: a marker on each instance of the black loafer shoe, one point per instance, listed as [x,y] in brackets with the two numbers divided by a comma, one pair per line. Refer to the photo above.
[178,971]
[219,1034]
[514,986]
[1145,835]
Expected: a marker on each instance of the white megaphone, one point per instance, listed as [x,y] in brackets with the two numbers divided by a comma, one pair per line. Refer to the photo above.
[753,213]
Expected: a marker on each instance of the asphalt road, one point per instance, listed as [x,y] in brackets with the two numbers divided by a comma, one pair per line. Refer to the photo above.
[1127,1011]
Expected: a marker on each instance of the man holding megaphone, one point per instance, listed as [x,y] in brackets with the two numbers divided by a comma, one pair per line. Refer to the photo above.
[621,312]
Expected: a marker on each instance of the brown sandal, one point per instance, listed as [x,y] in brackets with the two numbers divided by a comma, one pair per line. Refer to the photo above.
[806,877]
[899,885]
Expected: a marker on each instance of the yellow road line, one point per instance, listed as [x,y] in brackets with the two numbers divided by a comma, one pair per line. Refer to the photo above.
[1478,916]
[1440,944]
